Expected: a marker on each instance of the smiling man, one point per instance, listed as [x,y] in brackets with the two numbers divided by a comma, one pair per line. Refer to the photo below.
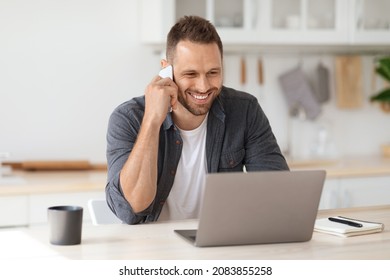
[158,158]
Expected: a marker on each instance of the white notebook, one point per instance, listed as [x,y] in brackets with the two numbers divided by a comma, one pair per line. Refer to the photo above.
[338,228]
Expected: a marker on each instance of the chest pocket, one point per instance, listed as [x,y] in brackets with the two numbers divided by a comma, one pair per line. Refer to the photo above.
[232,161]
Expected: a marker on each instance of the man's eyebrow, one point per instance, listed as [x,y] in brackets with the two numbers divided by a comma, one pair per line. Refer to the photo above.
[195,71]
[188,71]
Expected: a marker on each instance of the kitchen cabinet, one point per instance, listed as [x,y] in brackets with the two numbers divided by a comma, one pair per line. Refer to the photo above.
[38,204]
[234,19]
[371,22]
[24,200]
[364,191]
[355,192]
[270,22]
[13,211]
[26,210]
[303,21]
[330,195]
[351,181]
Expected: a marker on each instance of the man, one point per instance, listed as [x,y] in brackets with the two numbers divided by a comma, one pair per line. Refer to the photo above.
[158,158]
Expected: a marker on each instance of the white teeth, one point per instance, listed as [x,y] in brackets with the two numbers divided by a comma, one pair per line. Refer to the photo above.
[200,97]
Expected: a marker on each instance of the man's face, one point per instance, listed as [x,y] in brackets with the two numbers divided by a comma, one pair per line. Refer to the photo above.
[198,75]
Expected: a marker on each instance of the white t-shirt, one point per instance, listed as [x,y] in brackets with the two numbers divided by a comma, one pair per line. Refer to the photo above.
[184,199]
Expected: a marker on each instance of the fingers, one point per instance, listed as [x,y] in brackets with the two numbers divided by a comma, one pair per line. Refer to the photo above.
[174,101]
[160,95]
[163,81]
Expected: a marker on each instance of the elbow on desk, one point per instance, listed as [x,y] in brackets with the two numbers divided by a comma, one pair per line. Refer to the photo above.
[123,210]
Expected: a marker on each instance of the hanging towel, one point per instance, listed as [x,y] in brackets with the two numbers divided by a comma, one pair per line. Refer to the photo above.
[299,94]
[323,91]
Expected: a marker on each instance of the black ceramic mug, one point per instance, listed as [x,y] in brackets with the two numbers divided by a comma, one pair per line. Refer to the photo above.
[65,224]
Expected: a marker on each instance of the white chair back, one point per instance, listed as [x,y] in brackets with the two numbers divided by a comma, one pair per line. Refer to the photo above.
[101,213]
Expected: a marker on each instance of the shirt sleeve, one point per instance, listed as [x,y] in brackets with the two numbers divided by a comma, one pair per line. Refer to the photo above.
[262,149]
[123,127]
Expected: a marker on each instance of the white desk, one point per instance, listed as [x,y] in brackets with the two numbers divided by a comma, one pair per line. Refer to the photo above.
[158,241]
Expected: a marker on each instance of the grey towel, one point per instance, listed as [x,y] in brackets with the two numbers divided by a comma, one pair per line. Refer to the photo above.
[323,91]
[299,94]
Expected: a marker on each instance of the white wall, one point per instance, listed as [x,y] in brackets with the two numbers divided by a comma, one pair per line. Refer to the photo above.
[65,65]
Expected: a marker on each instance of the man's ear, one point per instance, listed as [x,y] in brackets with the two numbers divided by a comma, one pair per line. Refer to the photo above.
[164,63]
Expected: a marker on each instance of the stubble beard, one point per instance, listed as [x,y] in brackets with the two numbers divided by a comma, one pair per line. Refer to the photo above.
[197,109]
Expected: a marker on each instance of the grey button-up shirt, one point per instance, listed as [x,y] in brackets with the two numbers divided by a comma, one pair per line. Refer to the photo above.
[238,135]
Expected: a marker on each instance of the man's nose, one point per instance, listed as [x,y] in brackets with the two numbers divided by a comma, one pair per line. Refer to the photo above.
[202,84]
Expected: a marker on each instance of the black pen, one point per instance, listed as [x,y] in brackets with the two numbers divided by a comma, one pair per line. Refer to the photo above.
[346,222]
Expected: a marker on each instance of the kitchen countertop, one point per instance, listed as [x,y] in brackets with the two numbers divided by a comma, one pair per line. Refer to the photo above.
[28,182]
[346,167]
[35,182]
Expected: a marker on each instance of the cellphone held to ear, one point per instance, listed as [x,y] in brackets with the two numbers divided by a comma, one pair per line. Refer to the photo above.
[166,72]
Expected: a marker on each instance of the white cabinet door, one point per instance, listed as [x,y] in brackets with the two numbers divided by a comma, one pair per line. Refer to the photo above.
[13,211]
[38,205]
[330,197]
[370,23]
[365,191]
[306,22]
[253,21]
[269,22]
[235,20]
[355,192]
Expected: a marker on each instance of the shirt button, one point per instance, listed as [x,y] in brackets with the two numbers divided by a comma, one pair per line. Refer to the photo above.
[231,163]
[178,142]
[172,172]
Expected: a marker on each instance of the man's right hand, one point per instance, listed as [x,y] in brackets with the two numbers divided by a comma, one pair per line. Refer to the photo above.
[160,96]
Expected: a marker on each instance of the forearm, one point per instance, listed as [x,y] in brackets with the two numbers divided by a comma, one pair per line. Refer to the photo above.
[138,177]
[133,149]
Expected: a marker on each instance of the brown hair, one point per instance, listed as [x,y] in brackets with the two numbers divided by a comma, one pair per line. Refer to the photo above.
[194,29]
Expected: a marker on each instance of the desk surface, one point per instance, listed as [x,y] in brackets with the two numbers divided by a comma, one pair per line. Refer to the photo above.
[158,241]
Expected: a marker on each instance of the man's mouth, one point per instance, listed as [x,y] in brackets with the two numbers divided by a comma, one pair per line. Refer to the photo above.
[199,97]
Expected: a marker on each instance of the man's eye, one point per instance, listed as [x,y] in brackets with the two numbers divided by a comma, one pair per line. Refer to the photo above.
[213,73]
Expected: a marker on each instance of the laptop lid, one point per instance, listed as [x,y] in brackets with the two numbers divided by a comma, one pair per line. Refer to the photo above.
[258,207]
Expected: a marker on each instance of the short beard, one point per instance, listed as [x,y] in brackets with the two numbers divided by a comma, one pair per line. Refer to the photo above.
[198,110]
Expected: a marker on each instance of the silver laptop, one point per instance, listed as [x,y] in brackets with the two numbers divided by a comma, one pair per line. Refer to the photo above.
[257,208]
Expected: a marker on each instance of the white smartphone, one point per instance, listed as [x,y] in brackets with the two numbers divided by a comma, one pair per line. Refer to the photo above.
[166,72]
